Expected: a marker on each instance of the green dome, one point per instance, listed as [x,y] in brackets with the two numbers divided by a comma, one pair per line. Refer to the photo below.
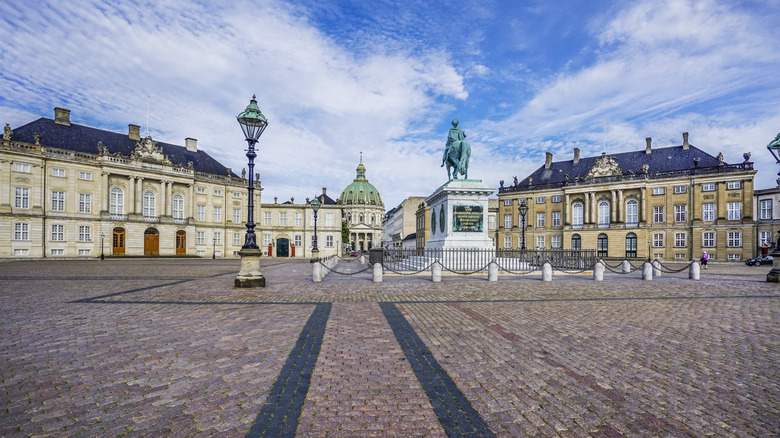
[360,191]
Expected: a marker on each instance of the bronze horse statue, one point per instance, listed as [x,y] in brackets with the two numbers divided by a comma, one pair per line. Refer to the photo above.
[456,158]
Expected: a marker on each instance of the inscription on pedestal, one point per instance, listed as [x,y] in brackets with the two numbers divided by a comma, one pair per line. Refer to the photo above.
[467,218]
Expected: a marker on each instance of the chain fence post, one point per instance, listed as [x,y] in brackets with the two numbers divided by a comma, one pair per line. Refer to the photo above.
[546,271]
[377,272]
[598,271]
[626,267]
[493,271]
[316,272]
[694,271]
[436,272]
[647,271]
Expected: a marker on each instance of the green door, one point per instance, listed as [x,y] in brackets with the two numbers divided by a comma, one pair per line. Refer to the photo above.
[283,247]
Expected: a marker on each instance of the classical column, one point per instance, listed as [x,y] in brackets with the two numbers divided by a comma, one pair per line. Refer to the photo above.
[586,209]
[621,207]
[6,195]
[106,192]
[191,201]
[642,206]
[132,195]
[169,197]
[139,196]
[566,206]
[163,199]
[613,212]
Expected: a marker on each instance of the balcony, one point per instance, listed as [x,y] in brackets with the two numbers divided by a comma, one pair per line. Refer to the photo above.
[179,221]
[632,224]
[152,219]
[603,226]
[118,217]
[576,226]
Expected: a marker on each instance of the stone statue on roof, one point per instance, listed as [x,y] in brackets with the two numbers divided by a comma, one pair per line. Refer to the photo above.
[7,132]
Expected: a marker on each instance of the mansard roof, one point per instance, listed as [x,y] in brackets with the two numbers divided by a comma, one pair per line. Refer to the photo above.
[80,138]
[325,199]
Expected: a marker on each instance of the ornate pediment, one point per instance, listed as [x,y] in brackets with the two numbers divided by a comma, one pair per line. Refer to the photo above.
[605,165]
[148,151]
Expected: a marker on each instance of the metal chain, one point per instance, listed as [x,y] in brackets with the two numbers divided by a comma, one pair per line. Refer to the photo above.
[385,267]
[345,273]
[669,270]
[613,267]
[501,268]
[466,273]
[575,272]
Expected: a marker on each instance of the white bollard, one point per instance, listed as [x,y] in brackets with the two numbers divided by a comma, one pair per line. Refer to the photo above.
[493,271]
[647,271]
[546,272]
[377,272]
[656,268]
[316,272]
[598,272]
[694,272]
[626,267]
[436,272]
[362,259]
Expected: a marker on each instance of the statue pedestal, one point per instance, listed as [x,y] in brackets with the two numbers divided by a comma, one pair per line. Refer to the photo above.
[774,275]
[459,215]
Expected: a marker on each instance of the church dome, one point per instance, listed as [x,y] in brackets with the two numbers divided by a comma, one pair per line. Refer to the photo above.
[360,191]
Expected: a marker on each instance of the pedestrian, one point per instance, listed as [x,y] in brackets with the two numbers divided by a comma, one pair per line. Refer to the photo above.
[704,259]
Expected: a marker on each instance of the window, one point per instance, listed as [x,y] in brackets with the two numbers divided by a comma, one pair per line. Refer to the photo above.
[217,238]
[217,192]
[21,252]
[85,203]
[708,212]
[507,202]
[734,239]
[266,239]
[361,219]
[708,239]
[22,167]
[200,252]
[540,220]
[58,201]
[734,257]
[298,219]
[217,214]
[57,252]
[83,252]
[329,241]
[87,176]
[266,218]
[200,190]
[201,239]
[680,189]
[765,209]
[602,246]
[576,215]
[658,214]
[540,200]
[117,201]
[556,241]
[631,244]
[236,215]
[507,221]
[57,232]
[329,219]
[734,210]
[658,240]
[679,256]
[200,212]
[556,218]
[603,214]
[491,223]
[21,231]
[708,187]
[734,185]
[178,206]
[85,233]
[680,213]
[149,207]
[236,239]
[658,190]
[507,242]
[283,218]
[556,198]
[237,195]
[679,240]
[576,242]
[632,212]
[765,237]
[540,241]
[298,241]
[57,172]
[22,197]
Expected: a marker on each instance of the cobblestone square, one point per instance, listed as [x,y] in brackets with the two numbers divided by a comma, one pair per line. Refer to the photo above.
[168,347]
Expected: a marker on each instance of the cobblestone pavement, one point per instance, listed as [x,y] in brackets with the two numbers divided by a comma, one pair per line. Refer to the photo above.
[169,348]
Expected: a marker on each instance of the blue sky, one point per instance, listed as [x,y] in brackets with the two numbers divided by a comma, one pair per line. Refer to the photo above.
[385,78]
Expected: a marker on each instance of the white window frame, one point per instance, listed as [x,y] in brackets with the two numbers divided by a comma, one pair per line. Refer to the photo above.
[659,190]
[117,201]
[659,214]
[298,240]
[680,239]
[178,206]
[57,200]
[556,198]
[22,197]
[86,176]
[603,213]
[282,218]
[540,199]
[708,212]
[217,192]
[507,202]
[329,219]
[85,203]
[57,252]
[734,210]
[267,218]
[298,219]
[708,239]
[681,213]
[329,241]
[734,239]
[556,219]
[507,221]
[21,231]
[765,237]
[217,214]
[236,239]
[85,233]
[765,209]
[57,172]
[680,189]
[733,185]
[200,213]
[659,240]
[149,204]
[632,212]
[22,167]
[200,190]
[266,240]
[555,241]
[541,220]
[57,233]
[236,215]
[507,242]
[577,214]
[217,238]
[708,187]
[491,222]
[200,238]
[541,241]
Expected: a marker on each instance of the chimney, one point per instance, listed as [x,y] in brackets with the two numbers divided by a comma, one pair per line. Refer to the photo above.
[576,155]
[686,146]
[324,190]
[191,144]
[62,116]
[649,149]
[134,131]
[547,160]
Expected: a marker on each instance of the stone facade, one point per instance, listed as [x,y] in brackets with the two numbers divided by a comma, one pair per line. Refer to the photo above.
[400,222]
[671,203]
[767,208]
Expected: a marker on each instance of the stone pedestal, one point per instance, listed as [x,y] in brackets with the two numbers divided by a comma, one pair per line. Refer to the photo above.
[774,275]
[250,275]
[459,215]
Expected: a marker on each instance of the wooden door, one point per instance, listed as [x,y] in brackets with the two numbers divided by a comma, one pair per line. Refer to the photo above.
[181,242]
[151,242]
[119,241]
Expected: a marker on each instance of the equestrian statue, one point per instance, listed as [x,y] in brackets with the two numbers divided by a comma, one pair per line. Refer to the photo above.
[456,153]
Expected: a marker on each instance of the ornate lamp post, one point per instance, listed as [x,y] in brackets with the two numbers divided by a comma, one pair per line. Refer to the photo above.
[774,275]
[253,123]
[102,236]
[315,205]
[523,211]
[214,249]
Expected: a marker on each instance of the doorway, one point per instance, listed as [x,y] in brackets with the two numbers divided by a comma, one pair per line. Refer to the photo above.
[151,242]
[119,241]
[283,247]
[181,242]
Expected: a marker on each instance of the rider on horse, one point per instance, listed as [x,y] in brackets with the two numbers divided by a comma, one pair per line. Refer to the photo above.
[455,134]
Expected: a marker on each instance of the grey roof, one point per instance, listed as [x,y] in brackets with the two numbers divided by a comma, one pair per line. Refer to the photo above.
[412,236]
[325,199]
[80,138]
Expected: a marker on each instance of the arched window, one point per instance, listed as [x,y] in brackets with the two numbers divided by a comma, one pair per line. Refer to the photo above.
[576,241]
[632,213]
[361,218]
[349,218]
[372,219]
[576,215]
[178,207]
[149,206]
[631,244]
[603,246]
[117,204]
[603,214]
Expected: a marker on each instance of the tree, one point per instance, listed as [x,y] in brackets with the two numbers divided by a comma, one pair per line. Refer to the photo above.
[344,232]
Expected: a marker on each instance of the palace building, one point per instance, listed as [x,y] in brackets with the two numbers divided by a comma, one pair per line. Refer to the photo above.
[667,203]
[363,209]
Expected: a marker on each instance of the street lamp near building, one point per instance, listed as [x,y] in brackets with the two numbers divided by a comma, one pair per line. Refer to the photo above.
[253,123]
[102,236]
[214,249]
[315,205]
[523,211]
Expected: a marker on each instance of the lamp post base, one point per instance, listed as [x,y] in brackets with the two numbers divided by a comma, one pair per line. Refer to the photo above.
[774,275]
[250,276]
[315,255]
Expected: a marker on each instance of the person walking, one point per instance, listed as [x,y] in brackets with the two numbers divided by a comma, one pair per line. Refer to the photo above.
[704,259]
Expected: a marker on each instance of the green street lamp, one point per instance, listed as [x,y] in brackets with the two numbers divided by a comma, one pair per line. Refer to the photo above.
[523,211]
[315,205]
[253,123]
